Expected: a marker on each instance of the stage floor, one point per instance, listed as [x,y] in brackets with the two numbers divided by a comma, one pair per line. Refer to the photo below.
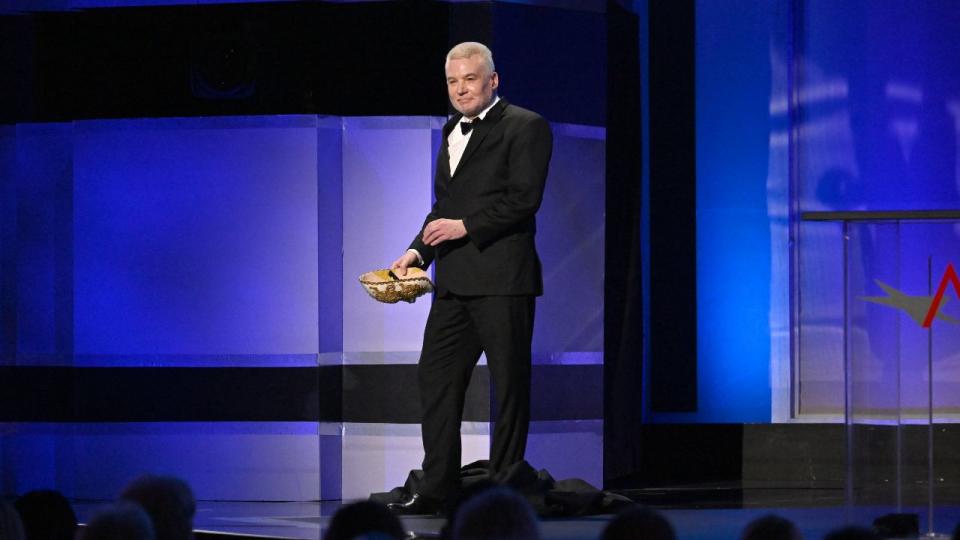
[700,515]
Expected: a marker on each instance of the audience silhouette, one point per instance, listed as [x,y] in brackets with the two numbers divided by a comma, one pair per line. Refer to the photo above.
[365,518]
[123,520]
[852,533]
[639,523]
[46,515]
[10,526]
[168,501]
[496,513]
[771,527]
[163,508]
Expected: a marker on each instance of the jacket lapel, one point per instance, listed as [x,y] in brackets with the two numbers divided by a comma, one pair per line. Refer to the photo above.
[480,132]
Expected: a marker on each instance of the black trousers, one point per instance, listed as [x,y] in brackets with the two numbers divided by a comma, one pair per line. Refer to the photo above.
[458,329]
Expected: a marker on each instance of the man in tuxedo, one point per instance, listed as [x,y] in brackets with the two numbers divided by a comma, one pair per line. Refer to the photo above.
[480,232]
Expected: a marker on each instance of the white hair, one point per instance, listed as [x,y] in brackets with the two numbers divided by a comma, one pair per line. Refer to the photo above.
[470,48]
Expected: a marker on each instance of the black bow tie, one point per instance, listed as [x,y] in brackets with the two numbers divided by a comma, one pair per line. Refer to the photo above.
[466,127]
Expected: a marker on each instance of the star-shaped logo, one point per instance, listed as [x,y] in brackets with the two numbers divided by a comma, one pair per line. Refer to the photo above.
[917,307]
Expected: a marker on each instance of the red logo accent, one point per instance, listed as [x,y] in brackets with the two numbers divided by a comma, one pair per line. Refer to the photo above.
[949,276]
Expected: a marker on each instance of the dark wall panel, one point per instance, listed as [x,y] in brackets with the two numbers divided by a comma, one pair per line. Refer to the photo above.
[236,59]
[366,58]
[353,393]
[623,301]
[673,218]
[553,61]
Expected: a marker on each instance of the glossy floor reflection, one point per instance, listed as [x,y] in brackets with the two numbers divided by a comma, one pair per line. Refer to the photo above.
[701,516]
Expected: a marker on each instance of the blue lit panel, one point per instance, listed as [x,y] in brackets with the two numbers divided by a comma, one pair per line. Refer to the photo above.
[880,102]
[220,460]
[570,232]
[8,238]
[330,233]
[44,304]
[196,236]
[734,220]
[387,192]
[552,446]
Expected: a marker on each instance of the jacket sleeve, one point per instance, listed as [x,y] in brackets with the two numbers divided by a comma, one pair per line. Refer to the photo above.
[426,252]
[528,160]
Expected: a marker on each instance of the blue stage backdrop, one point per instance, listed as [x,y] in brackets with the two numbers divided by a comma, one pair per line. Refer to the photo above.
[806,106]
[740,213]
[215,245]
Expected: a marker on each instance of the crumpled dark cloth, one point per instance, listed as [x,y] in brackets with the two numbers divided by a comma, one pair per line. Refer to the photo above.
[549,497]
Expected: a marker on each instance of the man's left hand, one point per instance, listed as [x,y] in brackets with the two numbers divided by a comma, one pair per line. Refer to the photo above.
[441,230]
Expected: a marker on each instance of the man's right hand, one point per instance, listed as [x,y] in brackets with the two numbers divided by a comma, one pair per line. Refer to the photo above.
[400,265]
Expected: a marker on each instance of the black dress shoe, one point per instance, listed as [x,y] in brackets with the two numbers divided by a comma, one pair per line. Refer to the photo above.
[416,504]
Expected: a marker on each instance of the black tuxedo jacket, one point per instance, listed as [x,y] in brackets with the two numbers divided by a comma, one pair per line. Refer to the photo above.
[496,190]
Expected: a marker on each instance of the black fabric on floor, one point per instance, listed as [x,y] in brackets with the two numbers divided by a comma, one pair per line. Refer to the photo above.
[549,497]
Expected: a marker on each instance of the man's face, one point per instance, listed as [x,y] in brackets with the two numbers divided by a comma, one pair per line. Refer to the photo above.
[470,85]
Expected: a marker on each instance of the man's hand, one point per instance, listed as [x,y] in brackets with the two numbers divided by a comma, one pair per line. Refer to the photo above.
[441,230]
[400,265]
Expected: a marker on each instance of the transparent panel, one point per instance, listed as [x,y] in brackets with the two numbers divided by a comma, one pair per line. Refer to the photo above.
[818,381]
[870,349]
[941,375]
[875,103]
[872,364]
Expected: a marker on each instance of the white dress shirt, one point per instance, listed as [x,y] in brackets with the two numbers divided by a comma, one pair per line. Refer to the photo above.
[456,144]
[457,141]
